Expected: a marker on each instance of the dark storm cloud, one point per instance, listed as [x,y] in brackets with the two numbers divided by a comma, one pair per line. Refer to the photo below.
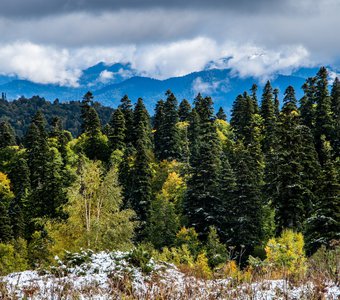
[41,8]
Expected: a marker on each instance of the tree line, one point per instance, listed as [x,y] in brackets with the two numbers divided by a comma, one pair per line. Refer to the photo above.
[140,179]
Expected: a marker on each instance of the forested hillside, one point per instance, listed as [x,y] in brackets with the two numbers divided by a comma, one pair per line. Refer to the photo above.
[19,113]
[188,186]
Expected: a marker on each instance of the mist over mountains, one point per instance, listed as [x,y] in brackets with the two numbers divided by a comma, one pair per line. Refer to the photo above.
[109,83]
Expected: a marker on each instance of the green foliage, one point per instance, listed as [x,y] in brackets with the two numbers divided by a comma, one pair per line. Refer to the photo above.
[7,136]
[189,237]
[13,257]
[140,257]
[95,219]
[6,195]
[38,250]
[216,251]
[286,254]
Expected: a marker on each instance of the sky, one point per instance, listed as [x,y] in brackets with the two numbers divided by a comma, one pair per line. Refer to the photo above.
[51,41]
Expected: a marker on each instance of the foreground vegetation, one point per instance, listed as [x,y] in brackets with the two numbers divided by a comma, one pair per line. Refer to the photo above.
[245,200]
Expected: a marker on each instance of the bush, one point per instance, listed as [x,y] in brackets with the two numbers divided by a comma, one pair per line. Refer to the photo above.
[286,255]
[216,251]
[190,237]
[13,258]
[201,268]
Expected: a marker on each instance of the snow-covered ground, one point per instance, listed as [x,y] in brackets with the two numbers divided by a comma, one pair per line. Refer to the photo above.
[103,275]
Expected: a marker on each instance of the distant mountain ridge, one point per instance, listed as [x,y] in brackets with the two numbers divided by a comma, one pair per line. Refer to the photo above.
[109,83]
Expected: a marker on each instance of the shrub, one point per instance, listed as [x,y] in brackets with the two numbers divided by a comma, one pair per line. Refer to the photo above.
[201,268]
[216,251]
[190,237]
[286,255]
[12,258]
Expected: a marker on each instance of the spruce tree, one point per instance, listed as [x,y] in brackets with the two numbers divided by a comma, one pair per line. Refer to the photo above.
[253,90]
[307,103]
[335,95]
[221,114]
[7,136]
[203,203]
[85,107]
[276,103]
[324,224]
[168,138]
[142,125]
[323,114]
[194,136]
[184,110]
[127,109]
[117,132]
[20,180]
[268,114]
[157,126]
[288,181]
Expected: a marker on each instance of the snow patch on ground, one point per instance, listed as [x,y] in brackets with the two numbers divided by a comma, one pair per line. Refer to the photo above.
[104,275]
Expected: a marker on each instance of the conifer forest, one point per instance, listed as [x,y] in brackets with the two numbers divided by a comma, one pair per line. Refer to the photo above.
[208,192]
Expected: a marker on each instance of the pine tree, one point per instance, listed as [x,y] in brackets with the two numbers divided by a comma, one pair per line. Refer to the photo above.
[168,138]
[227,186]
[335,95]
[276,103]
[268,114]
[221,114]
[307,103]
[324,226]
[323,114]
[127,109]
[117,133]
[184,110]
[20,180]
[7,136]
[85,107]
[288,187]
[202,201]
[157,126]
[253,90]
[141,173]
[194,136]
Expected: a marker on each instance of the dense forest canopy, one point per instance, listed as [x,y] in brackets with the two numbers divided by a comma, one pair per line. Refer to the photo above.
[186,179]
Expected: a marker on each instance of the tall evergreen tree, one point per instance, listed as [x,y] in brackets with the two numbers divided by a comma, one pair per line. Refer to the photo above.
[157,126]
[323,118]
[184,110]
[194,136]
[117,132]
[203,203]
[168,133]
[7,136]
[307,103]
[324,224]
[268,115]
[142,125]
[335,95]
[253,90]
[221,114]
[276,103]
[127,109]
[85,108]
[289,189]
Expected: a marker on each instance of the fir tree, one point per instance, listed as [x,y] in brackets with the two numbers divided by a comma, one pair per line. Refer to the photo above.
[117,132]
[168,138]
[142,125]
[276,103]
[184,110]
[253,90]
[194,136]
[335,95]
[221,114]
[127,109]
[268,115]
[158,121]
[7,136]
[85,107]
[323,114]
[307,103]
[203,201]
[289,188]
[324,226]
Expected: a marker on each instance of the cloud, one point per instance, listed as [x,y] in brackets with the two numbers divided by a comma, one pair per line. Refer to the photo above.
[46,64]
[38,64]
[209,87]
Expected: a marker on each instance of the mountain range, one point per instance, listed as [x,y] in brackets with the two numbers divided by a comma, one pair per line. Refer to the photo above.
[109,83]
